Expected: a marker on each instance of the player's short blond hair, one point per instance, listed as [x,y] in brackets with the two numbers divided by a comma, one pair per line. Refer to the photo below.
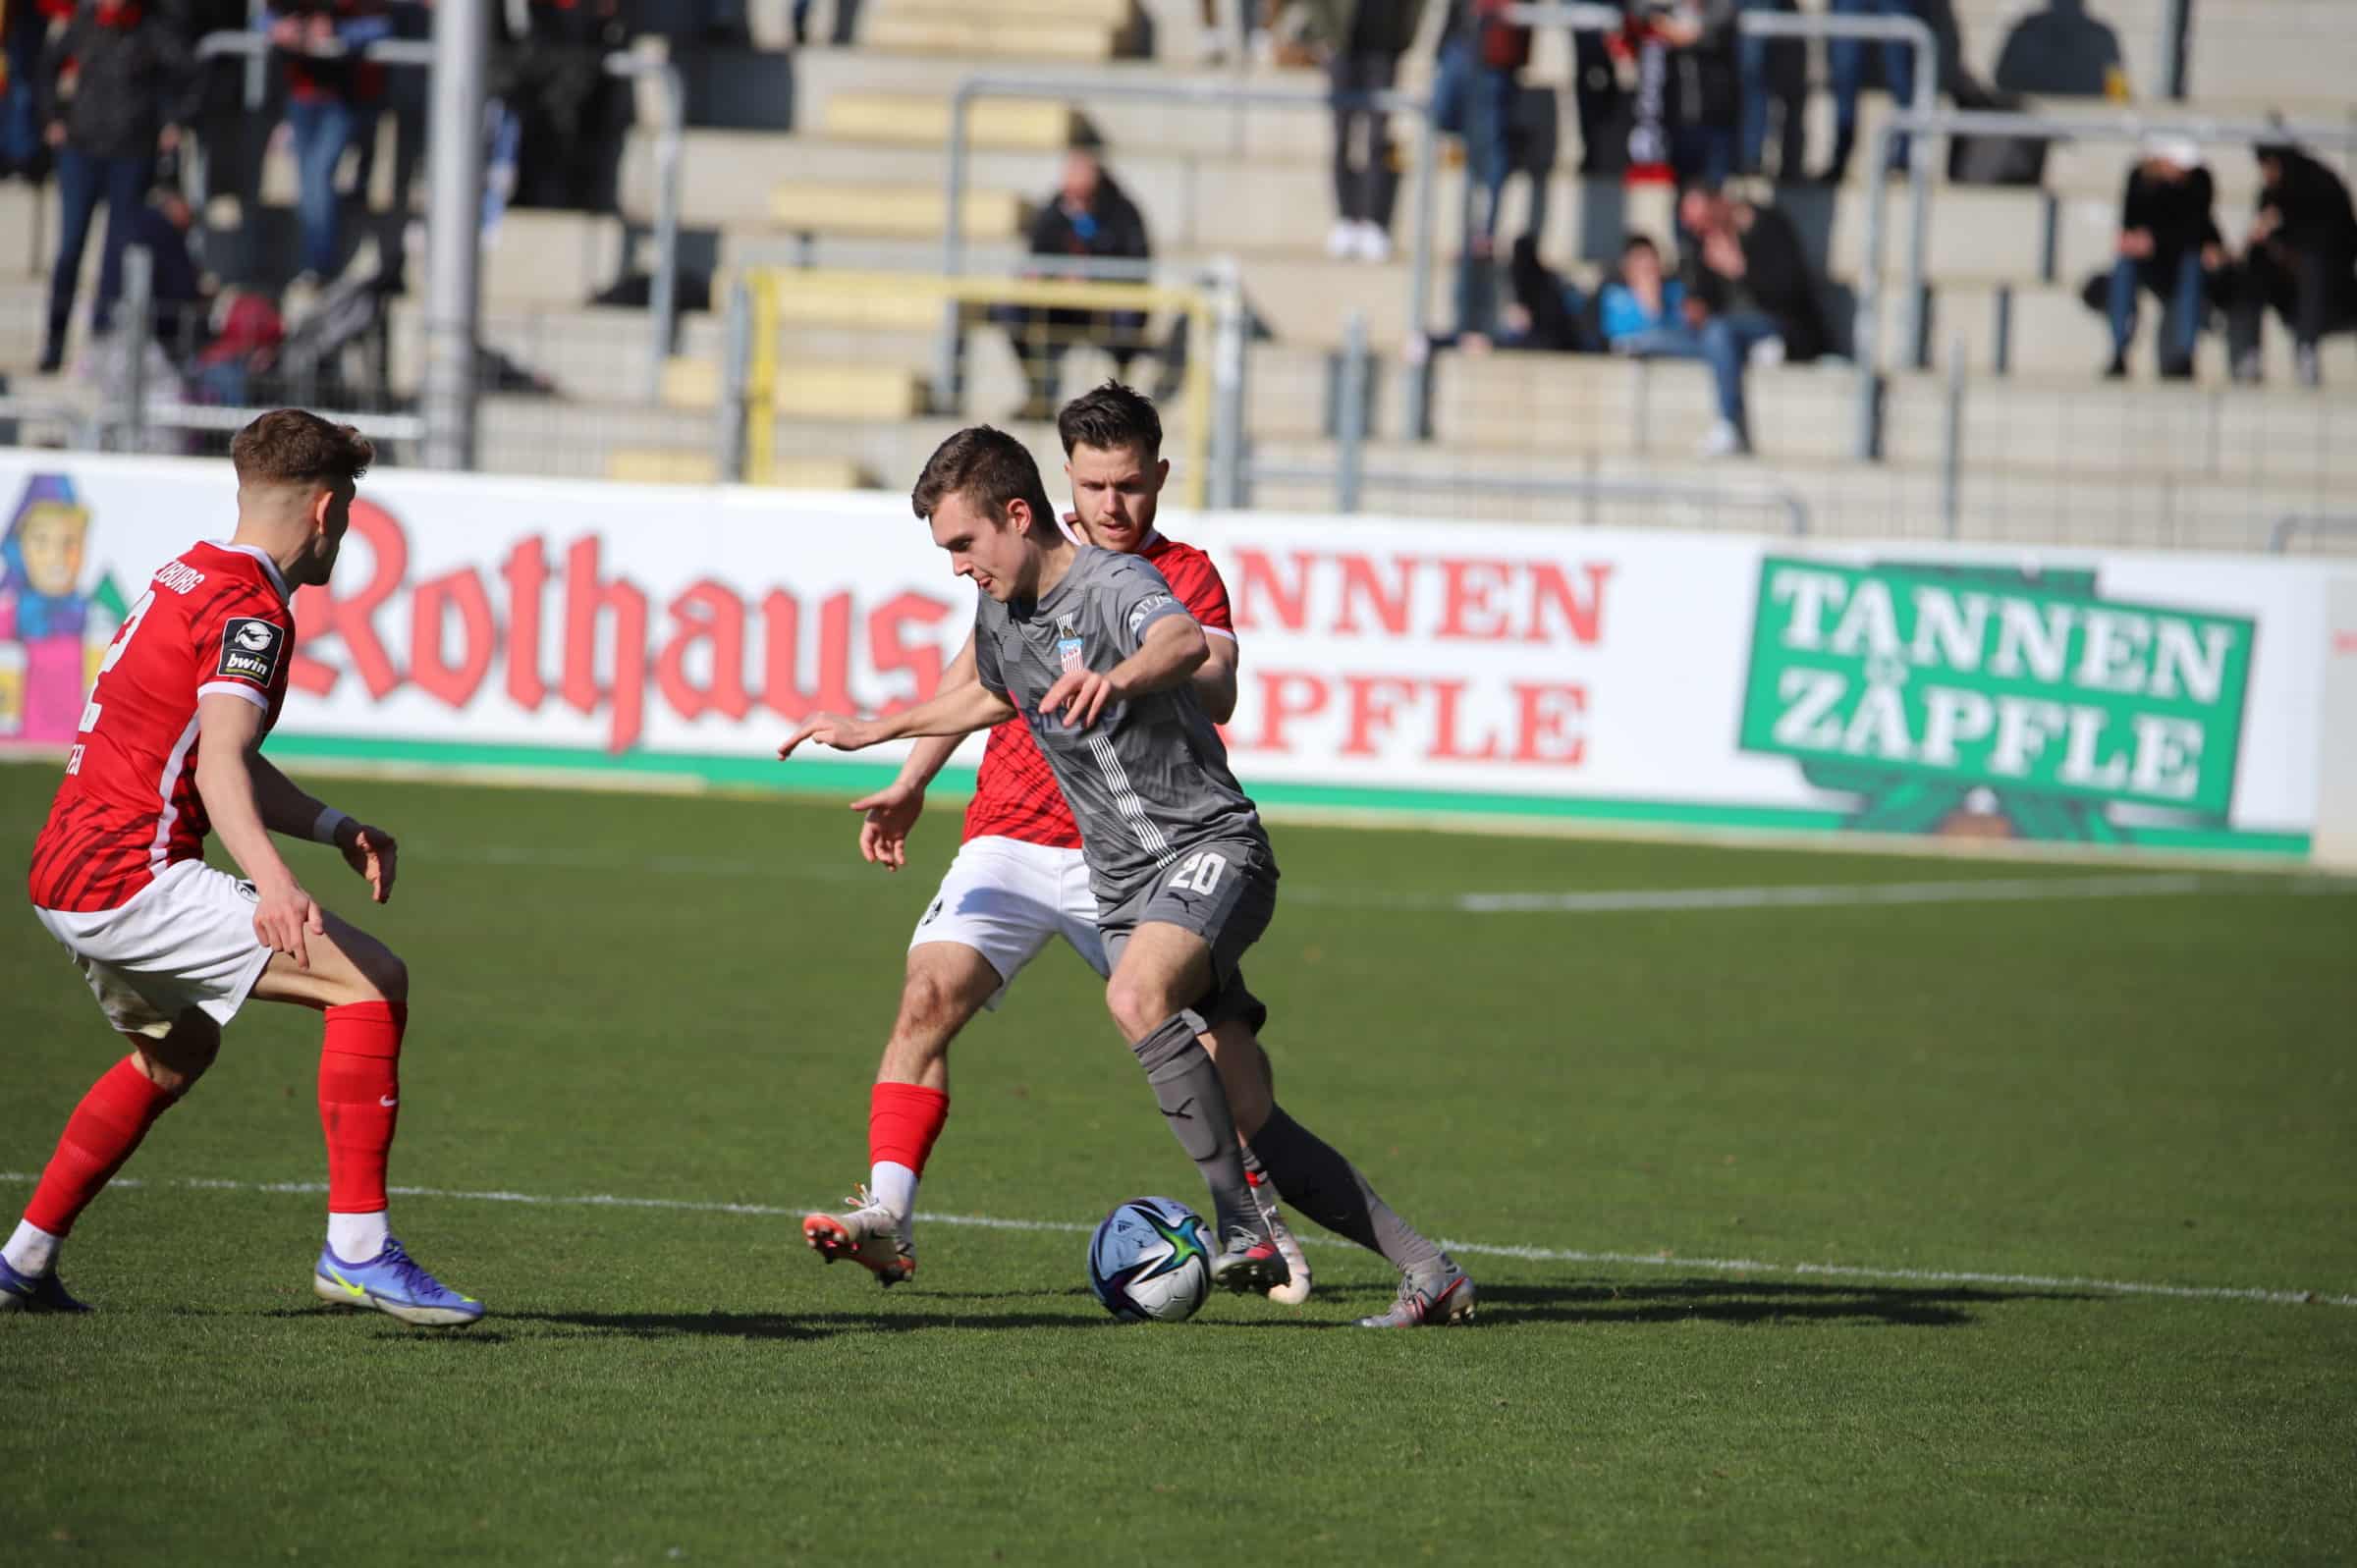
[287,446]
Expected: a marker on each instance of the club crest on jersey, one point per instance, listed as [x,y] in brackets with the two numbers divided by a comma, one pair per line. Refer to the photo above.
[1070,651]
[250,650]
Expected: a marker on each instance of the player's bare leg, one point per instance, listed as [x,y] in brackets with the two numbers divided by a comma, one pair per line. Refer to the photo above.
[362,992]
[1161,970]
[99,1138]
[1324,1185]
[947,984]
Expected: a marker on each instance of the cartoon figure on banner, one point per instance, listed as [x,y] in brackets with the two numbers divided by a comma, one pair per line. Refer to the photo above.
[47,649]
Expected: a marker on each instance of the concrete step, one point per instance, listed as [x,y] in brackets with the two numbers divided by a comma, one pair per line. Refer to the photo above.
[668,465]
[993,125]
[897,211]
[988,36]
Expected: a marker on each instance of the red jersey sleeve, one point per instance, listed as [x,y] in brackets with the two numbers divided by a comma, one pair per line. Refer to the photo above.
[1197,583]
[243,639]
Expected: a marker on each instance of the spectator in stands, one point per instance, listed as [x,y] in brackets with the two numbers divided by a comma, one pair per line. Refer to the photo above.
[1547,312]
[117,84]
[2166,242]
[1642,309]
[176,287]
[1845,63]
[1775,71]
[2062,52]
[1481,58]
[23,31]
[846,21]
[1749,295]
[332,100]
[1363,41]
[1705,105]
[1089,216]
[554,81]
[2302,261]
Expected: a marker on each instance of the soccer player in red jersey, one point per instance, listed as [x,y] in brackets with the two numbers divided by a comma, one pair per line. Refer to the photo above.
[168,751]
[1019,880]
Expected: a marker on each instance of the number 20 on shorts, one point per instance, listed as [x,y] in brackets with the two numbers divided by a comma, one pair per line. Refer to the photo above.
[1199,871]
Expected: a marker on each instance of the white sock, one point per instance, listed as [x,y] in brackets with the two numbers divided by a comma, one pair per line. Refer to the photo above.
[358,1239]
[32,1251]
[893,1185]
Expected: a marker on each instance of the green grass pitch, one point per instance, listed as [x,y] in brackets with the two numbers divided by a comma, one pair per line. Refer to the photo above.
[680,1000]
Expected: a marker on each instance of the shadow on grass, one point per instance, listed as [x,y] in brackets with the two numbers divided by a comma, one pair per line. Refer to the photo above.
[1754,1301]
[795,1325]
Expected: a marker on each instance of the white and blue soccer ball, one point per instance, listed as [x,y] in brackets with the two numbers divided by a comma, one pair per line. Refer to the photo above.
[1151,1261]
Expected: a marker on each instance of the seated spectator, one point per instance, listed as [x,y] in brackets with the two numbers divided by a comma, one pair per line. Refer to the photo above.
[177,290]
[332,100]
[115,87]
[1750,295]
[2302,261]
[1642,310]
[1547,313]
[2166,240]
[2062,52]
[1090,216]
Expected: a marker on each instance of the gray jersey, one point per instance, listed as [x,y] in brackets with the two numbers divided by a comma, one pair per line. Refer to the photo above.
[1149,780]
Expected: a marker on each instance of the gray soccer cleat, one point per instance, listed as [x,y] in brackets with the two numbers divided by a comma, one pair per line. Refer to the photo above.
[1296,1289]
[1441,1297]
[868,1234]
[1248,1264]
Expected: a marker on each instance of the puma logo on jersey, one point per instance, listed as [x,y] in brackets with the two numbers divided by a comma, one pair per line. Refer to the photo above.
[250,649]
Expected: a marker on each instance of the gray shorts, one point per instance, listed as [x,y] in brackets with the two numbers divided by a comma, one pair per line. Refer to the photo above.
[1223,892]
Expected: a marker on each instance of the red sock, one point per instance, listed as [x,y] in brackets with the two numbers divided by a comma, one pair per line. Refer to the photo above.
[902,1121]
[358,1090]
[99,1136]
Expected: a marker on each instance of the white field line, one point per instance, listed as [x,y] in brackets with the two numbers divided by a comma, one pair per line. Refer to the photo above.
[1471,1249]
[1982,889]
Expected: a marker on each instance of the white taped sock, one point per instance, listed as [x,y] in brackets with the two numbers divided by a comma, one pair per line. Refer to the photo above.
[32,1251]
[358,1239]
[893,1185]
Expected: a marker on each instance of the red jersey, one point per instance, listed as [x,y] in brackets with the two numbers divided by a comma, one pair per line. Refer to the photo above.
[1014,792]
[216,621]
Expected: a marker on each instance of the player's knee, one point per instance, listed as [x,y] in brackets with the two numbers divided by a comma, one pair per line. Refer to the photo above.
[1138,1008]
[383,975]
[176,1061]
[933,1008]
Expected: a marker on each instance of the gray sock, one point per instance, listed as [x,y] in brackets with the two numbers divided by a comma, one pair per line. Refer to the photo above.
[1186,1085]
[1320,1183]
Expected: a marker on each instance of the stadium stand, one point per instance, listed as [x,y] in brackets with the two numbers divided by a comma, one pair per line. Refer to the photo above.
[836,157]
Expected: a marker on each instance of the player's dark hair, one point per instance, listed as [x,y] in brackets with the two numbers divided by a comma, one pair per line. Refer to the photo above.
[1109,417]
[287,446]
[989,468]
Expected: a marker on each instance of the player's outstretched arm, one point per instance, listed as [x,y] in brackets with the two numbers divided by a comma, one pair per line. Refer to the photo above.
[1172,651]
[891,813]
[231,731]
[287,808]
[949,713]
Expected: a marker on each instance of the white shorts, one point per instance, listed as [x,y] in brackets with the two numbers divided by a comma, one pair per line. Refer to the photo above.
[183,940]
[1006,898]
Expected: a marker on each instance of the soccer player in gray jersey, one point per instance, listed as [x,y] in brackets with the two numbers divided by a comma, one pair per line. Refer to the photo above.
[1095,653]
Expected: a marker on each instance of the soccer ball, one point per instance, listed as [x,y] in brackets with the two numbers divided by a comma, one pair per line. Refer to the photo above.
[1151,1259]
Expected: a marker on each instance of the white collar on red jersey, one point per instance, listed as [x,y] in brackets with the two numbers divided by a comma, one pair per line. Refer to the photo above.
[278,578]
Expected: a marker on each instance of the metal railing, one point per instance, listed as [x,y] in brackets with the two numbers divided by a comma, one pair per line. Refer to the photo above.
[2279,538]
[1216,94]
[662,290]
[1941,123]
[1351,478]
